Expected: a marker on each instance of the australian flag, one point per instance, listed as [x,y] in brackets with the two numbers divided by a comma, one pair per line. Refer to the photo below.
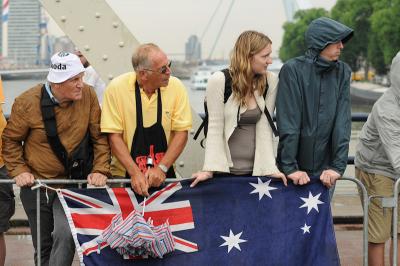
[223,221]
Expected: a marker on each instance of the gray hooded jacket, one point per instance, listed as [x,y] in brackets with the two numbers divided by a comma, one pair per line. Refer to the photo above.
[313,105]
[378,150]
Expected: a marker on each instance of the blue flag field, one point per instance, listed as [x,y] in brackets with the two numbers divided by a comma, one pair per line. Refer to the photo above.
[223,221]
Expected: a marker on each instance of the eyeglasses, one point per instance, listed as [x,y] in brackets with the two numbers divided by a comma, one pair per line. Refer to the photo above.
[162,70]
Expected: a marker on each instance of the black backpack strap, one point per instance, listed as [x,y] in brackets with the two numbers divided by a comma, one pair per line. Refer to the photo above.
[204,123]
[196,135]
[228,84]
[50,125]
[227,93]
[267,114]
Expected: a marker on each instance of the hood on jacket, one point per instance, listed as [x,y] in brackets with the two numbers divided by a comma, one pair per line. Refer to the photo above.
[324,31]
[395,74]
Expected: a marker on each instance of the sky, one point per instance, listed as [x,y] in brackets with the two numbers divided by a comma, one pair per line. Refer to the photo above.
[169,23]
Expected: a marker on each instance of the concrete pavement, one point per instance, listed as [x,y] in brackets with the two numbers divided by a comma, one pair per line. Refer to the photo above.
[349,240]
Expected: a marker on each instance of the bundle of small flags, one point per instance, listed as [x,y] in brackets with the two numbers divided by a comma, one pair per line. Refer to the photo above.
[133,237]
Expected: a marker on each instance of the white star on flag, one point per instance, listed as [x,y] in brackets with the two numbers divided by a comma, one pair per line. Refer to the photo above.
[232,241]
[305,228]
[311,202]
[262,188]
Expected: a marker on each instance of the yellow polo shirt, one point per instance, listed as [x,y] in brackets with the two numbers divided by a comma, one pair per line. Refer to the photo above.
[118,113]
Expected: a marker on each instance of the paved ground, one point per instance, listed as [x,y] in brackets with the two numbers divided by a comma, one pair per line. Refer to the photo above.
[345,203]
[349,239]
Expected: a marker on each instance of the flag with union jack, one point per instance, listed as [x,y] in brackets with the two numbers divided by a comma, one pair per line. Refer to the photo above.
[223,221]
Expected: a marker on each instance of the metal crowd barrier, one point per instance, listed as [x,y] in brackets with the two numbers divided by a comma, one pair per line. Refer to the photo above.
[65,181]
[387,202]
[365,204]
[356,117]
[395,219]
[121,181]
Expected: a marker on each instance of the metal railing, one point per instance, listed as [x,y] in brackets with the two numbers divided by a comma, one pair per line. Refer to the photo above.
[123,181]
[356,117]
[64,182]
[395,219]
[365,204]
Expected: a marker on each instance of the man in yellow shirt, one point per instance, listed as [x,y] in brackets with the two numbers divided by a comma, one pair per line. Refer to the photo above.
[147,115]
[7,204]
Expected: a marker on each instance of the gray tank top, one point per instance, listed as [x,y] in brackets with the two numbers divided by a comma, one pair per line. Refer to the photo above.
[242,143]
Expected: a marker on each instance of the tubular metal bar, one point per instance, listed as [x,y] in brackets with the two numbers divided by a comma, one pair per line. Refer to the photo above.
[395,220]
[355,117]
[365,216]
[84,181]
[171,180]
[38,246]
[67,181]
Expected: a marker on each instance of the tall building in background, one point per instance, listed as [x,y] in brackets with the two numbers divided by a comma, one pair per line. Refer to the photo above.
[22,37]
[3,28]
[193,49]
[62,43]
[45,47]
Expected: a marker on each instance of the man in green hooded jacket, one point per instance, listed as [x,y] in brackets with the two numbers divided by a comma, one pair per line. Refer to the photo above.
[313,107]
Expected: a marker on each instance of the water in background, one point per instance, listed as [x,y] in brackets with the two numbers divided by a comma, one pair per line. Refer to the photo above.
[13,88]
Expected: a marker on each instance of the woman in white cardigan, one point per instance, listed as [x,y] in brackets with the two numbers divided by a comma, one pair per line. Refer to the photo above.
[240,139]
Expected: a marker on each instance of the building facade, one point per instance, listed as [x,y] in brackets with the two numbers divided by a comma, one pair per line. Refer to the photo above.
[193,49]
[23,33]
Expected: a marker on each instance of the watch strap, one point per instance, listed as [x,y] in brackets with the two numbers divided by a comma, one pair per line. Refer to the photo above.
[163,167]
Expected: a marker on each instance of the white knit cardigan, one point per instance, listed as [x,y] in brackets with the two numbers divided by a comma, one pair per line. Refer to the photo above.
[223,121]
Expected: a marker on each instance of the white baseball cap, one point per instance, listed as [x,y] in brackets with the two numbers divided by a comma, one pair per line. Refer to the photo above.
[63,66]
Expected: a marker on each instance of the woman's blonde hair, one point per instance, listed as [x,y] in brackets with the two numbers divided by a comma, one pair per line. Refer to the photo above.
[247,45]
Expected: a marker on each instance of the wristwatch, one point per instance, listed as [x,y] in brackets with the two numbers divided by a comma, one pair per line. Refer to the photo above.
[163,167]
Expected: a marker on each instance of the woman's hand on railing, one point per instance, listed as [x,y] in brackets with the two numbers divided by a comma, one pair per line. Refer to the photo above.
[24,179]
[201,176]
[281,176]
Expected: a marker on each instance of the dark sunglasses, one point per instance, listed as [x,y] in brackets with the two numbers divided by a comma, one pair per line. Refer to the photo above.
[163,69]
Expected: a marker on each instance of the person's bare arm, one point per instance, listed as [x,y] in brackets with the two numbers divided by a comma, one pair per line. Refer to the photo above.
[178,141]
[118,147]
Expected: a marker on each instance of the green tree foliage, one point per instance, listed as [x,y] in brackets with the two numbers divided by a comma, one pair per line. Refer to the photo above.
[385,23]
[375,56]
[293,39]
[355,14]
[376,39]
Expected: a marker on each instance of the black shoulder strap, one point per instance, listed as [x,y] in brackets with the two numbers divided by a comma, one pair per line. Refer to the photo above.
[50,125]
[267,114]
[227,93]
[228,84]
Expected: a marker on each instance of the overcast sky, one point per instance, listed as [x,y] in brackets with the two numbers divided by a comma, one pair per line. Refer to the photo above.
[170,23]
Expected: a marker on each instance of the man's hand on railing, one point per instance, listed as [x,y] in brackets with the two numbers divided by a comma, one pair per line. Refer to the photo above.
[24,179]
[329,177]
[299,178]
[97,179]
[140,184]
[155,176]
